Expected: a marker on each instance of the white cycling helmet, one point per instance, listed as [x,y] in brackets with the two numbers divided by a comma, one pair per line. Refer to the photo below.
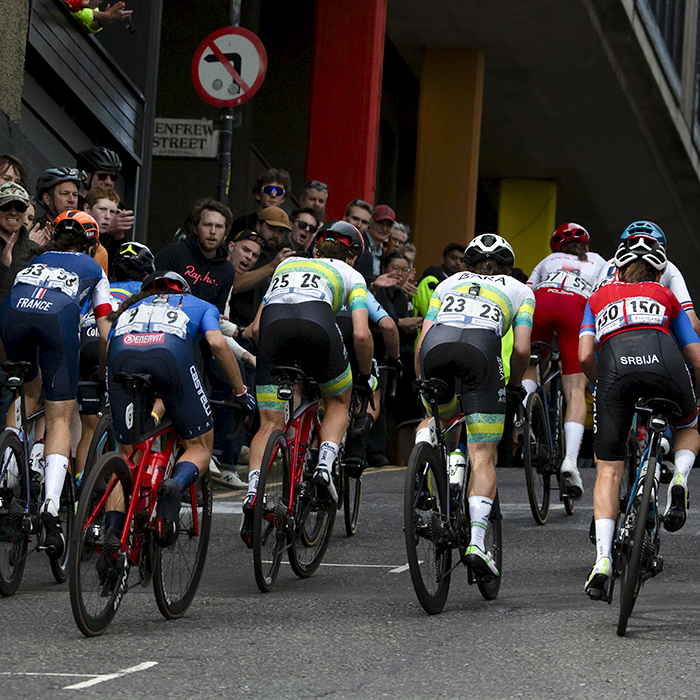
[641,248]
[489,246]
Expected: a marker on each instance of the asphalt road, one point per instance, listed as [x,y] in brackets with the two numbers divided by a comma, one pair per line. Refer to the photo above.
[355,628]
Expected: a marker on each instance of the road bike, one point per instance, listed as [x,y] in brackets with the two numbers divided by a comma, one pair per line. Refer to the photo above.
[543,434]
[101,555]
[289,512]
[637,538]
[22,494]
[436,514]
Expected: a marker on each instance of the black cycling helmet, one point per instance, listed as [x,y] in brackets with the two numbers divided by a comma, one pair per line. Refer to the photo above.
[165,281]
[133,262]
[489,246]
[55,176]
[98,158]
[645,248]
[344,233]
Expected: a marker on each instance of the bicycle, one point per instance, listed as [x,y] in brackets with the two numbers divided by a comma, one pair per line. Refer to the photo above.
[288,512]
[543,434]
[637,539]
[101,556]
[21,494]
[436,520]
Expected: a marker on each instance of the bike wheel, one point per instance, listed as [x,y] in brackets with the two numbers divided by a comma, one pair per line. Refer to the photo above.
[13,494]
[179,567]
[104,440]
[271,512]
[352,495]
[537,457]
[428,546]
[97,568]
[559,436]
[493,544]
[632,557]
[66,515]
[314,518]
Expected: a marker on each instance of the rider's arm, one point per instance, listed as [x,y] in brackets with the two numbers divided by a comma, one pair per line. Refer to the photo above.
[390,335]
[587,358]
[362,340]
[520,358]
[691,354]
[227,362]
[255,326]
[103,326]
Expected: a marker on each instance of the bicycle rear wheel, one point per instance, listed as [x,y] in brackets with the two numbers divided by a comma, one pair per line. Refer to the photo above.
[97,567]
[537,456]
[634,551]
[314,519]
[428,545]
[13,490]
[104,440]
[271,511]
[352,495]
[559,436]
[179,567]
[493,544]
[66,514]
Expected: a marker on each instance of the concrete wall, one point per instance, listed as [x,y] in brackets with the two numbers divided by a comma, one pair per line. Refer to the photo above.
[13,40]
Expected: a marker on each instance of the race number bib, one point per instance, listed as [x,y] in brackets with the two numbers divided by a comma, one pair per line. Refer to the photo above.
[634,311]
[308,284]
[150,318]
[57,278]
[476,312]
[567,281]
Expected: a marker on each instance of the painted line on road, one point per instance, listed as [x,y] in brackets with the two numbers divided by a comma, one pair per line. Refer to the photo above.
[111,676]
[401,569]
[228,507]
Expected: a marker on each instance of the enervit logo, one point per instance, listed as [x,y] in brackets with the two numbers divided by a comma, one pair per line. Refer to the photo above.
[144,338]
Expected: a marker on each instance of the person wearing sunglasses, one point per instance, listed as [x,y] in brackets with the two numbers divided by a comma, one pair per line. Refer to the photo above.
[314,194]
[305,224]
[271,189]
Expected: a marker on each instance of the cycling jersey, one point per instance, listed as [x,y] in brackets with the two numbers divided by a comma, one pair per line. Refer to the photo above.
[304,279]
[490,302]
[39,320]
[565,272]
[672,278]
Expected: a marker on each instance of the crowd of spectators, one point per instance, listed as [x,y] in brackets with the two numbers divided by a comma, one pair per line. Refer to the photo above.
[229,261]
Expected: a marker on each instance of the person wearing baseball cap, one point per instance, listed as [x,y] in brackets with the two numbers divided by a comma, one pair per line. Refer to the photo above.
[376,238]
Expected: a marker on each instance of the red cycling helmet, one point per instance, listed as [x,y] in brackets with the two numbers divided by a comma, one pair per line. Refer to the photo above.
[566,233]
[344,233]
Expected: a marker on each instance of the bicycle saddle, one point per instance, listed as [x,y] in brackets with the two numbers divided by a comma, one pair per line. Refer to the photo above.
[658,405]
[17,369]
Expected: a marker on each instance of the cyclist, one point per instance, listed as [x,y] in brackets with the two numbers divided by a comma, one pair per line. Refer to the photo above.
[296,322]
[133,262]
[57,190]
[672,277]
[155,331]
[461,339]
[39,322]
[636,325]
[563,281]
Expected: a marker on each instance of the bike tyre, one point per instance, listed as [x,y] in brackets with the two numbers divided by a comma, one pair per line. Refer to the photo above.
[104,440]
[537,457]
[66,515]
[352,497]
[493,543]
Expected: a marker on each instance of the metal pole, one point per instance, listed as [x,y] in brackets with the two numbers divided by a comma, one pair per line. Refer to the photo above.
[226,126]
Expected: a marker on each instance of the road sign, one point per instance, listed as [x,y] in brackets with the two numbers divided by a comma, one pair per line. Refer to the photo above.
[229,66]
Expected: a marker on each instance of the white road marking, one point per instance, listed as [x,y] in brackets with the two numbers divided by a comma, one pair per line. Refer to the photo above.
[111,676]
[399,569]
[228,507]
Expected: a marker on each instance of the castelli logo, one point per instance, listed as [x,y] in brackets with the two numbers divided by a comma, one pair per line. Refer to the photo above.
[144,339]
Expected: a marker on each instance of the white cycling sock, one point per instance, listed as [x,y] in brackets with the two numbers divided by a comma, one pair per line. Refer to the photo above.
[531,387]
[604,531]
[56,468]
[423,435]
[574,435]
[327,454]
[253,478]
[479,511]
[683,463]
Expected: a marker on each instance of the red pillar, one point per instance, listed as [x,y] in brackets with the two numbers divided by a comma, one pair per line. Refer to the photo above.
[346,100]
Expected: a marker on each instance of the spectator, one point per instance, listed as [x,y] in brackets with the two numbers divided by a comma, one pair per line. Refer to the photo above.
[13,170]
[57,190]
[314,194]
[359,214]
[398,238]
[377,236]
[95,20]
[409,286]
[305,223]
[202,258]
[270,190]
[30,214]
[101,203]
[102,168]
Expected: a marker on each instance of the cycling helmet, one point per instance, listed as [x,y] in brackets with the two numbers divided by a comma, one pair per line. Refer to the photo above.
[80,222]
[566,233]
[165,281]
[344,233]
[489,246]
[644,228]
[133,261]
[641,248]
[98,158]
[55,176]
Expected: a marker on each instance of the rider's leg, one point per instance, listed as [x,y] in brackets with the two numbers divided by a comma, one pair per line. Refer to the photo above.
[270,419]
[574,386]
[686,442]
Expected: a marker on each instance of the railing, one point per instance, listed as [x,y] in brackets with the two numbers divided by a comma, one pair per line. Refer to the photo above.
[670,18]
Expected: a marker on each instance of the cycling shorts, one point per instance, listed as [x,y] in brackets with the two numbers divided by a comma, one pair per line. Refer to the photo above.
[49,341]
[303,334]
[559,312]
[637,364]
[469,361]
[170,362]
[89,398]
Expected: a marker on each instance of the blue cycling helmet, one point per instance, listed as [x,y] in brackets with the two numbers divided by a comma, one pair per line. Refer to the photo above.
[644,228]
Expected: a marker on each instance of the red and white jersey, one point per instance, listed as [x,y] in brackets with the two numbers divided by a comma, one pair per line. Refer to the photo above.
[566,273]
